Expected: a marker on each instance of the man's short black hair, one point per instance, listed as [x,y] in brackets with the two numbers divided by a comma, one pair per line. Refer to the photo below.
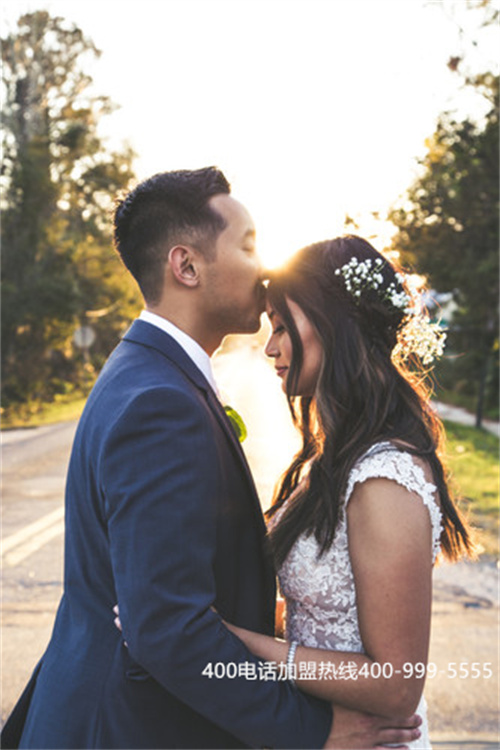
[167,208]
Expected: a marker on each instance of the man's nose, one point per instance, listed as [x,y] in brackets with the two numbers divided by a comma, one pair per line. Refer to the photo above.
[259,265]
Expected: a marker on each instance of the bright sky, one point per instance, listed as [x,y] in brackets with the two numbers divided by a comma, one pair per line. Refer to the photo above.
[314,109]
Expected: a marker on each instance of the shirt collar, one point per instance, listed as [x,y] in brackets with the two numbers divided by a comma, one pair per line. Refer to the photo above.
[190,346]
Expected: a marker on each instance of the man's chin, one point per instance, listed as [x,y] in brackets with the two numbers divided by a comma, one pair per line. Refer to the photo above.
[253,325]
[256,325]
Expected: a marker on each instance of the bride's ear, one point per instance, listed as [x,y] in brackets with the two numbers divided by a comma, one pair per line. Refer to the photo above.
[183,263]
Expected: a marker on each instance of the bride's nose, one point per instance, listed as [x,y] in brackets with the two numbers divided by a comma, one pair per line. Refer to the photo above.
[270,349]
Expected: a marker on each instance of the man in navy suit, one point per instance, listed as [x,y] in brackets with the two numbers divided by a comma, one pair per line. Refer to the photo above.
[162,515]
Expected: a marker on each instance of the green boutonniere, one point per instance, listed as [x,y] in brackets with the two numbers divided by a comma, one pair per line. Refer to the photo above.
[237,422]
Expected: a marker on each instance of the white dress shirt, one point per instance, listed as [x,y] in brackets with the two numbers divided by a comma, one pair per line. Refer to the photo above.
[190,346]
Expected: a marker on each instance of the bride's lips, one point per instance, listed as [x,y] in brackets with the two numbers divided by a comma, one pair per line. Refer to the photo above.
[280,371]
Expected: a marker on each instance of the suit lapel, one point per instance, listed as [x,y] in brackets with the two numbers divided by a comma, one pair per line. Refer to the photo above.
[226,425]
[147,334]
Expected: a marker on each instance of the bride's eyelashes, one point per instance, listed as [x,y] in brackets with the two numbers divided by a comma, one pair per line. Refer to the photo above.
[278,329]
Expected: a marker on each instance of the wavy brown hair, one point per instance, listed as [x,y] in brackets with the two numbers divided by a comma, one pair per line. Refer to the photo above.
[363,396]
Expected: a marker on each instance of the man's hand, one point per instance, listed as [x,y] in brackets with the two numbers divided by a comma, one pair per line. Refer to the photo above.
[352,730]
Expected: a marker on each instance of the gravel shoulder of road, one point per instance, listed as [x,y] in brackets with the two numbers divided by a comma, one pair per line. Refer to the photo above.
[472,583]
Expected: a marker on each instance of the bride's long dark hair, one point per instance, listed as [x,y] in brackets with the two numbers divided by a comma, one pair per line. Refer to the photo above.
[363,396]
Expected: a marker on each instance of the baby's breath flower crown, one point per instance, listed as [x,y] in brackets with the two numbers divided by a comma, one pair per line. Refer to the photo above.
[417,334]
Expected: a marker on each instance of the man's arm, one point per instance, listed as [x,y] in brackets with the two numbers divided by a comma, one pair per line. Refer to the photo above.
[160,473]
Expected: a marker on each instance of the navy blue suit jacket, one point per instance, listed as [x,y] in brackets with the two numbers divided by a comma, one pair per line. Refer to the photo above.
[162,517]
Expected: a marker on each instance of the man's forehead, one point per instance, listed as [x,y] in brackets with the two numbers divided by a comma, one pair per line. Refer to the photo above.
[234,211]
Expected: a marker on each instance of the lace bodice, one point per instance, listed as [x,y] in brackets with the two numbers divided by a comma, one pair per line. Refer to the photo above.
[320,594]
[319,591]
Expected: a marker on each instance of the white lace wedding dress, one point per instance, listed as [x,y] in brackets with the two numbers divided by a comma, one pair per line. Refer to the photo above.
[320,596]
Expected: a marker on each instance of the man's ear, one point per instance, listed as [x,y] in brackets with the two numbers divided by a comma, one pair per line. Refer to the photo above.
[183,262]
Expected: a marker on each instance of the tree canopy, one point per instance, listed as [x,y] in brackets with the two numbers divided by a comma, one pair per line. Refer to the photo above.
[448,230]
[59,182]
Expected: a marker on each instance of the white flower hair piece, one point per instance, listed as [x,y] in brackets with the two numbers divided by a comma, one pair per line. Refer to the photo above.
[421,337]
[366,274]
[417,335]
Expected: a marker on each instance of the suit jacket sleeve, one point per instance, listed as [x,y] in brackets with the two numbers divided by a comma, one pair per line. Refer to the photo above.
[160,477]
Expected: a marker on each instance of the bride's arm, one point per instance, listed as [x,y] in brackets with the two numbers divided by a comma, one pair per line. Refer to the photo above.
[390,544]
[276,650]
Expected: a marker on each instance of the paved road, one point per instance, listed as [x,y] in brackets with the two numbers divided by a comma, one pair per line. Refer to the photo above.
[456,414]
[463,712]
[34,469]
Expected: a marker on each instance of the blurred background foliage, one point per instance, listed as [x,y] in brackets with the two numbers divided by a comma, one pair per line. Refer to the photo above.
[59,182]
[447,229]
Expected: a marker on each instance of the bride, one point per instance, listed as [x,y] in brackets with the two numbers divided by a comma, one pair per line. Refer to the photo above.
[364,508]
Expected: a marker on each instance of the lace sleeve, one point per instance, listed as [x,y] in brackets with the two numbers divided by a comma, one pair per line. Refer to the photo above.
[386,461]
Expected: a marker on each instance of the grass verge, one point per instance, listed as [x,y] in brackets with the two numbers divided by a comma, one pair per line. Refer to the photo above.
[62,409]
[472,457]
